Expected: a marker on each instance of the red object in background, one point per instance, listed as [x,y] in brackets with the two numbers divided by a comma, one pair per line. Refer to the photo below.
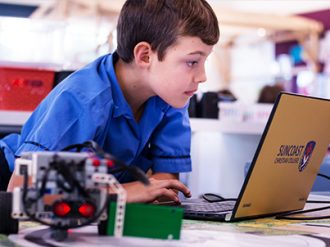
[22,89]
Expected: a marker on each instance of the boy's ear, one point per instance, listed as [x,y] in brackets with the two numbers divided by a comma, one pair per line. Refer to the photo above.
[142,54]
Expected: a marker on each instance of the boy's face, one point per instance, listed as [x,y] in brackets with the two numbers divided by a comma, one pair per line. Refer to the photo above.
[176,78]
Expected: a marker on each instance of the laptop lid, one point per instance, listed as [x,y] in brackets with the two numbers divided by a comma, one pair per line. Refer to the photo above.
[288,158]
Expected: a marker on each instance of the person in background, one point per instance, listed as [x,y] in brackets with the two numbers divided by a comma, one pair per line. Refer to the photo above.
[133,103]
[269,93]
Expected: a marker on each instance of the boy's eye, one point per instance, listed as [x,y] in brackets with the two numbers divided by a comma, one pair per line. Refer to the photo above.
[191,63]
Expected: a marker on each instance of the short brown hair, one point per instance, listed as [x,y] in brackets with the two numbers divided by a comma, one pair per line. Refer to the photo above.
[160,22]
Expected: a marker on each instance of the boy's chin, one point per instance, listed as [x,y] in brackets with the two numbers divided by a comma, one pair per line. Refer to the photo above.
[179,105]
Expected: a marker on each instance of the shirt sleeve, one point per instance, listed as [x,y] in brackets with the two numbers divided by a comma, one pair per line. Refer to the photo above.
[170,143]
[61,120]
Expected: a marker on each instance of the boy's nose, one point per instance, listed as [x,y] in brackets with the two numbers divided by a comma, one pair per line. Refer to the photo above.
[201,76]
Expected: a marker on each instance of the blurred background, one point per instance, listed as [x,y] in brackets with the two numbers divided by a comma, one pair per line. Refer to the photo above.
[262,42]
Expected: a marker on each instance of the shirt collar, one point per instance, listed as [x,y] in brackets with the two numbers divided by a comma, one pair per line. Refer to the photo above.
[121,106]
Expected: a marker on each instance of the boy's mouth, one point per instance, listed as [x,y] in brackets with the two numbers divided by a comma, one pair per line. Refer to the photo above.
[190,93]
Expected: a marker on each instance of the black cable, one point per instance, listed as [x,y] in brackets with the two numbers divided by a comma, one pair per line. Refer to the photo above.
[323,175]
[69,177]
[288,216]
[317,201]
[212,197]
[133,170]
[302,218]
[93,146]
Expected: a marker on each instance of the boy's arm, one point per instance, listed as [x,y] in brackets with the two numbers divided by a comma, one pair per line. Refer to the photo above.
[163,175]
[170,145]
[16,181]
[136,191]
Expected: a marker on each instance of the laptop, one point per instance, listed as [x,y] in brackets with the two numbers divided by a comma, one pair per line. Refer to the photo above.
[290,152]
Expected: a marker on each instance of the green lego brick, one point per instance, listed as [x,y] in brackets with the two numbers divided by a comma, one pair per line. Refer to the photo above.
[149,221]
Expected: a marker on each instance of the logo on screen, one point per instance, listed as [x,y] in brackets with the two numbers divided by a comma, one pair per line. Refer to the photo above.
[306,156]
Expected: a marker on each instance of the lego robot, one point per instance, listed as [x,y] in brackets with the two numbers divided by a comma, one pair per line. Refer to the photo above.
[65,190]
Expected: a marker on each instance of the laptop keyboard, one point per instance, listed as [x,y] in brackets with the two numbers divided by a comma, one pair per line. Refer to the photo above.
[209,207]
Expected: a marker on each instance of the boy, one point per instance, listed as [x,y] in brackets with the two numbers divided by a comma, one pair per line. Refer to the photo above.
[133,102]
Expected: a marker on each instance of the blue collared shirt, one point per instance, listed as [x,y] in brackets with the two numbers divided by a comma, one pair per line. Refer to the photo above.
[89,105]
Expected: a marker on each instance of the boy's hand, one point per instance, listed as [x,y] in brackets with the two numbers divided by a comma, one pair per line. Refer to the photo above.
[137,192]
[165,176]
